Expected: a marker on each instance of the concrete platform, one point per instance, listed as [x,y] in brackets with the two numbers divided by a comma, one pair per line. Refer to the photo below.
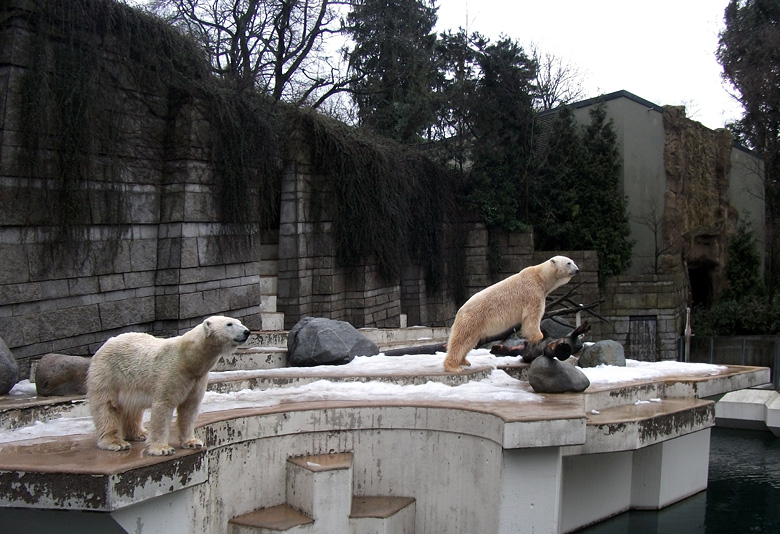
[517,463]
[752,409]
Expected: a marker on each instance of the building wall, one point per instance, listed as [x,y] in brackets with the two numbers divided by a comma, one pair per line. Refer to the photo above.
[640,134]
[663,154]
[746,190]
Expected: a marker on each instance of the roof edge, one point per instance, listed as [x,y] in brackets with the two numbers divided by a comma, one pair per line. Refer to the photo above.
[617,94]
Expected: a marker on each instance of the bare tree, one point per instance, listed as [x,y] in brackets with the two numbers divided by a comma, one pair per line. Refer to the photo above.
[652,219]
[278,46]
[557,82]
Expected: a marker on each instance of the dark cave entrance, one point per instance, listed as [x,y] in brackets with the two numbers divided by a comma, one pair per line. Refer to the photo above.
[701,286]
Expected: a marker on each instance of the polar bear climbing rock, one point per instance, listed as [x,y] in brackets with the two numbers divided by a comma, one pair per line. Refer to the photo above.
[517,299]
[135,371]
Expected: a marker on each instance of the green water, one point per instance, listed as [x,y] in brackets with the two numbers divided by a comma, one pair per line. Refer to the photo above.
[742,496]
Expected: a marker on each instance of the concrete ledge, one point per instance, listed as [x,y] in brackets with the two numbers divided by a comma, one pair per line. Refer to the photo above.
[508,425]
[16,411]
[298,376]
[635,426]
[253,358]
[282,517]
[752,409]
[74,474]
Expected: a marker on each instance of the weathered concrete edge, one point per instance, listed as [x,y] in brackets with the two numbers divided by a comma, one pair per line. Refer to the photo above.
[101,492]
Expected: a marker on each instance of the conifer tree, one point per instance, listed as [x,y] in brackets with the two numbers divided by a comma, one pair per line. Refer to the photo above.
[502,122]
[393,61]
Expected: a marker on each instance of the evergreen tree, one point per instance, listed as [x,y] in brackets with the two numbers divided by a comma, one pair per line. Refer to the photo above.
[393,62]
[603,214]
[576,192]
[554,197]
[456,83]
[748,52]
[743,267]
[502,122]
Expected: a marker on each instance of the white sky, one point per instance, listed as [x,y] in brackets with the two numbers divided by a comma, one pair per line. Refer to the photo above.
[662,51]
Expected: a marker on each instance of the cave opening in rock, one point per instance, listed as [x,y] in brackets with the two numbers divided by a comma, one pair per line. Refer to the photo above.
[701,286]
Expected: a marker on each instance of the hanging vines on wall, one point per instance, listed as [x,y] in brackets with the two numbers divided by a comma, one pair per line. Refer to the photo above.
[73,128]
[390,202]
[247,159]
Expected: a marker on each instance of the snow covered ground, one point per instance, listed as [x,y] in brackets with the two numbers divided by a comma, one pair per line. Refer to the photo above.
[498,386]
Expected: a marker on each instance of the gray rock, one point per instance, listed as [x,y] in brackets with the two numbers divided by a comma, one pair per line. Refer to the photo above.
[320,341]
[61,375]
[548,375]
[607,352]
[9,369]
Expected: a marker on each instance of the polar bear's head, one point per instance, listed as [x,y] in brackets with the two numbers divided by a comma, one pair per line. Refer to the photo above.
[227,330]
[564,267]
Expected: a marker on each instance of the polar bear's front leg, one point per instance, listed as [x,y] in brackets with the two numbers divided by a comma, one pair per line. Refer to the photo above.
[159,430]
[187,412]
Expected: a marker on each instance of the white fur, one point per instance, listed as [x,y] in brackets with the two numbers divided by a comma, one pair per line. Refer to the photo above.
[519,298]
[135,371]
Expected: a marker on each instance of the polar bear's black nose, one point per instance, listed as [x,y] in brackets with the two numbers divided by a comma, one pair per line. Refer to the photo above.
[244,335]
[576,271]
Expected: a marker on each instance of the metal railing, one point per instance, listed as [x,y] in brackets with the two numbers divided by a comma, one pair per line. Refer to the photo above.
[759,351]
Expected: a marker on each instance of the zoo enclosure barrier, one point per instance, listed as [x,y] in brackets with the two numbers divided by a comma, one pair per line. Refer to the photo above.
[760,351]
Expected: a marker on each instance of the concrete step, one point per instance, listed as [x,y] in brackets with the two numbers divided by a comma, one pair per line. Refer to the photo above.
[266,339]
[272,320]
[252,358]
[752,409]
[385,338]
[382,515]
[321,487]
[263,379]
[320,501]
[281,518]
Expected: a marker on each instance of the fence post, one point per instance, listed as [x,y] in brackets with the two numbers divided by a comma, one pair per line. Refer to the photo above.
[744,344]
[776,369]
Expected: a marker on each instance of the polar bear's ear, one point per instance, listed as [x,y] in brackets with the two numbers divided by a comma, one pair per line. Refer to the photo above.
[207,327]
[552,260]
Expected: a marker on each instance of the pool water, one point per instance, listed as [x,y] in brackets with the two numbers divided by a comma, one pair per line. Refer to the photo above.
[742,496]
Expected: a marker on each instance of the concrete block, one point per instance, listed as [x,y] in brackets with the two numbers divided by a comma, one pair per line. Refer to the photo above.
[606,481]
[530,500]
[746,408]
[321,487]
[670,471]
[272,320]
[773,414]
[382,515]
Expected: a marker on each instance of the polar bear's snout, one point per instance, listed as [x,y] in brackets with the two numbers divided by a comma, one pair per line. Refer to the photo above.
[242,336]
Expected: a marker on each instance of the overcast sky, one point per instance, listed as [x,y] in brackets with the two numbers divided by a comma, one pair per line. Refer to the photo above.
[662,51]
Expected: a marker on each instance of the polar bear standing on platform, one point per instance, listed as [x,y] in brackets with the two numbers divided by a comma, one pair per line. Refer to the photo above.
[517,299]
[135,371]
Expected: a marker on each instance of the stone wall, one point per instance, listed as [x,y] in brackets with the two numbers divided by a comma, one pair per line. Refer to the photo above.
[698,217]
[645,315]
[152,254]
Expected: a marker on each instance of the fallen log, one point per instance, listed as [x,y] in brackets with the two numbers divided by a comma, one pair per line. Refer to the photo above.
[560,348]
